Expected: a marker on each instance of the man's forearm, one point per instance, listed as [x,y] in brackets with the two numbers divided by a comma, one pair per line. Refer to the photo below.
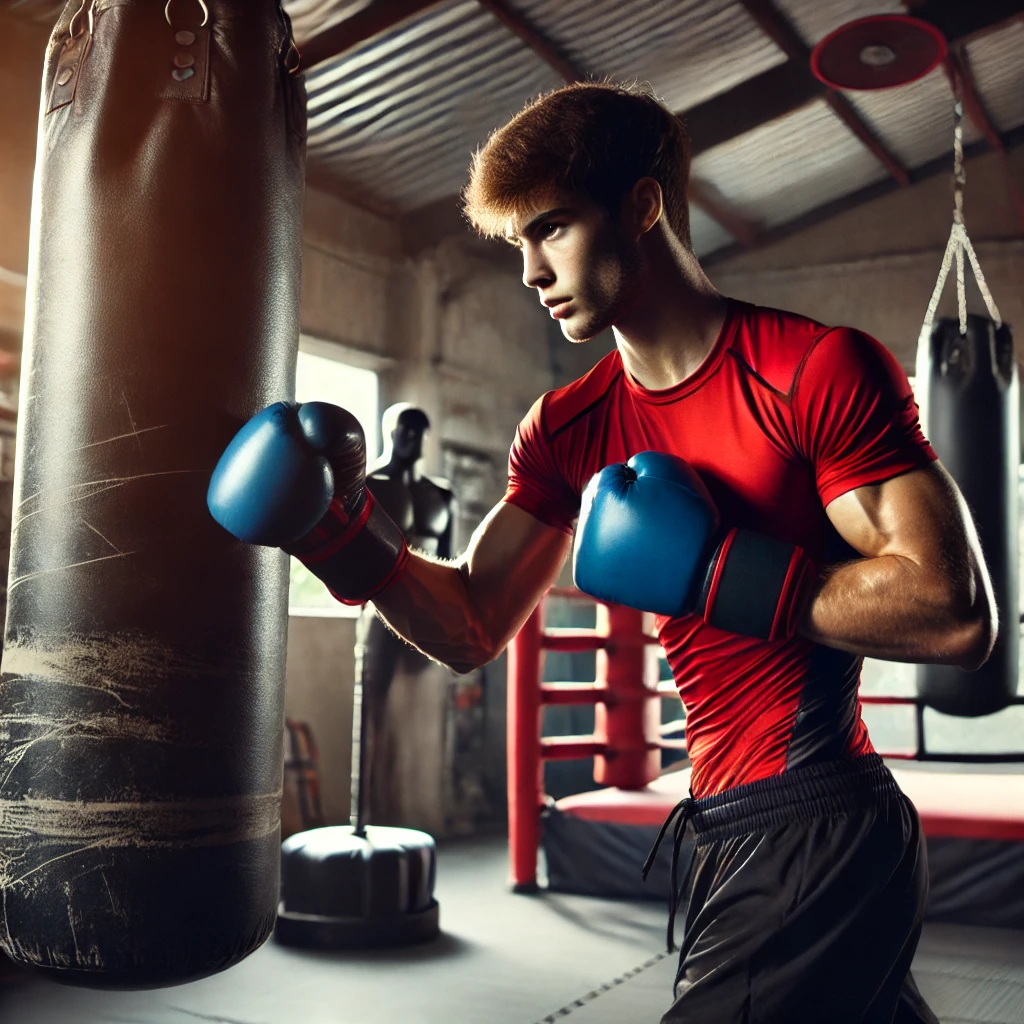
[431,607]
[464,613]
[889,607]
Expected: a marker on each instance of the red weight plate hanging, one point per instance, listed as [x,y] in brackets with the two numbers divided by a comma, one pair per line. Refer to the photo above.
[878,52]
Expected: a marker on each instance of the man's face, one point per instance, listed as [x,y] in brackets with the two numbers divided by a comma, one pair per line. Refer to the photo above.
[585,267]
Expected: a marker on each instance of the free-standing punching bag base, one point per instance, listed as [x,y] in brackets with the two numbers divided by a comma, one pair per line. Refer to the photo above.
[340,890]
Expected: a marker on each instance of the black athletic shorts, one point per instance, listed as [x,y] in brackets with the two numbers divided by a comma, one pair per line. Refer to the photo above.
[805,897]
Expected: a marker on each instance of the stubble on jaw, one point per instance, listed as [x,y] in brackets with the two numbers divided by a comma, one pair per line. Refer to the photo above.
[612,288]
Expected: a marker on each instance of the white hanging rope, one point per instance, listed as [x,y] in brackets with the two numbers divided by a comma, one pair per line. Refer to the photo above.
[958,241]
[955,247]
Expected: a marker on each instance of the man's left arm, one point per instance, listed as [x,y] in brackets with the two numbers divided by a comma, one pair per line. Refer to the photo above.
[922,592]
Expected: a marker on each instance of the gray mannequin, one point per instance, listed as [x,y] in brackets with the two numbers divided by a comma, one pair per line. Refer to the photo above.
[424,510]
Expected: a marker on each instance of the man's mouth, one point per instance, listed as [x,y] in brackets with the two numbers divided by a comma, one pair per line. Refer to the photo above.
[559,310]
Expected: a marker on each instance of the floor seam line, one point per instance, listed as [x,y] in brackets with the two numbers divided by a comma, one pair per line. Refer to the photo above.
[593,994]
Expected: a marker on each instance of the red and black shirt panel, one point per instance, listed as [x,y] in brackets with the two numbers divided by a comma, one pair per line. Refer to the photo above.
[783,416]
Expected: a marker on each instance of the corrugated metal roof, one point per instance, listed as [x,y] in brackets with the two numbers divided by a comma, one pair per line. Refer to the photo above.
[312,16]
[815,19]
[915,121]
[997,61]
[689,50]
[706,235]
[788,167]
[399,116]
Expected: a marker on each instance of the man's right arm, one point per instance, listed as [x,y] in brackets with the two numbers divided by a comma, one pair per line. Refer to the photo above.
[464,613]
[294,477]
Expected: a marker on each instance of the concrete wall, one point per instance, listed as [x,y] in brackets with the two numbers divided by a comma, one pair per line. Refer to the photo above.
[448,325]
[349,258]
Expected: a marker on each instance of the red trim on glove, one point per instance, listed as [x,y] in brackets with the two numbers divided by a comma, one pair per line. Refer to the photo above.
[801,581]
[332,533]
[716,576]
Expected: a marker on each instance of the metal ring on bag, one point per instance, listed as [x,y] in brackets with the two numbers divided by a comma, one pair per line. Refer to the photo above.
[206,13]
[74,18]
[292,59]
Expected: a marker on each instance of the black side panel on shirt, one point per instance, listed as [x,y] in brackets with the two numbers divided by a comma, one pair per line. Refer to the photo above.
[827,713]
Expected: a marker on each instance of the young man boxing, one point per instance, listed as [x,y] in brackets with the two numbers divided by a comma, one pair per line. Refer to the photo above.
[761,482]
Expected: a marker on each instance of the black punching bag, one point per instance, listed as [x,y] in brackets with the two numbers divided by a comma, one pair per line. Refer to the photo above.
[974,427]
[143,670]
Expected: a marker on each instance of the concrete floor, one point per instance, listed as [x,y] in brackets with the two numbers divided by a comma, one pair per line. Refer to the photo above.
[503,959]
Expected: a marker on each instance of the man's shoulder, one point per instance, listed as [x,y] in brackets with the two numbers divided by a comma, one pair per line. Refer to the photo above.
[557,410]
[774,343]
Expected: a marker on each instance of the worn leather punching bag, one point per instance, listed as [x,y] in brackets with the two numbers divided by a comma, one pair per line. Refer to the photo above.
[143,670]
[974,426]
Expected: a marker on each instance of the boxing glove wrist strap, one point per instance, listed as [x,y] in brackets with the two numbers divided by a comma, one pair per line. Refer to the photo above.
[757,586]
[358,553]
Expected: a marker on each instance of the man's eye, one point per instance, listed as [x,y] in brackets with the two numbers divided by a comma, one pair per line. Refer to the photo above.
[547,230]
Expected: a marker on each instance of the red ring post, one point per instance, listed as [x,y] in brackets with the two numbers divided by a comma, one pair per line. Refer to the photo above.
[525,768]
[626,720]
[626,743]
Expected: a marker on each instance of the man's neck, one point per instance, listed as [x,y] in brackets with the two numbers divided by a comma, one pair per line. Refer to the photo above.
[671,330]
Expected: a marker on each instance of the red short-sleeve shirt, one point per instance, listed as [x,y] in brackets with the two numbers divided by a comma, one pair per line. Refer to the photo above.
[783,416]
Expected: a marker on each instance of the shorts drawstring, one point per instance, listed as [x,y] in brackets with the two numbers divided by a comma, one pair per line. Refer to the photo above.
[681,813]
[831,787]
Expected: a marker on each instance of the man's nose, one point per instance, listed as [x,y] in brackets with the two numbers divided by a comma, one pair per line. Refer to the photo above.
[536,271]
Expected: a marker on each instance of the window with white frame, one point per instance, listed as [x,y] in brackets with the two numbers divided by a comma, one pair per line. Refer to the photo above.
[323,376]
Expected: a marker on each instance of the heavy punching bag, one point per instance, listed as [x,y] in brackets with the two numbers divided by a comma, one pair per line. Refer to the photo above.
[143,670]
[972,404]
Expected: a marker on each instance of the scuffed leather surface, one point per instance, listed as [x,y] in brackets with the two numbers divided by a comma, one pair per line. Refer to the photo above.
[142,680]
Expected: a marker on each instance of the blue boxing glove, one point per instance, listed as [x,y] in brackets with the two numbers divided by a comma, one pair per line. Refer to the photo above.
[649,537]
[294,477]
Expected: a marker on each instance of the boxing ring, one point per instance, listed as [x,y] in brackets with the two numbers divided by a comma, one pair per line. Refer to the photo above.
[594,843]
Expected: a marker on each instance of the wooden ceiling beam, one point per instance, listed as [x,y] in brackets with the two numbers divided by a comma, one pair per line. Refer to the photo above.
[848,115]
[534,39]
[961,81]
[717,207]
[776,26]
[749,105]
[376,17]
[940,165]
[789,86]
[961,22]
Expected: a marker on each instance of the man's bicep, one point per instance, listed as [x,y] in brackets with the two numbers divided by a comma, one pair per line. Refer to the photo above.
[920,515]
[511,561]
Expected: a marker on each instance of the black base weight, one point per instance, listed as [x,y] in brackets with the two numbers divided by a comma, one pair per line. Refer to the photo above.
[348,889]
[310,931]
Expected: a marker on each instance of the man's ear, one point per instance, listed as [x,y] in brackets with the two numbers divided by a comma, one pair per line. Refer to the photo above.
[645,205]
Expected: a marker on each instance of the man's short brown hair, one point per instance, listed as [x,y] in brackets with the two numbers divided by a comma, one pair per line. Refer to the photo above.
[592,138]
